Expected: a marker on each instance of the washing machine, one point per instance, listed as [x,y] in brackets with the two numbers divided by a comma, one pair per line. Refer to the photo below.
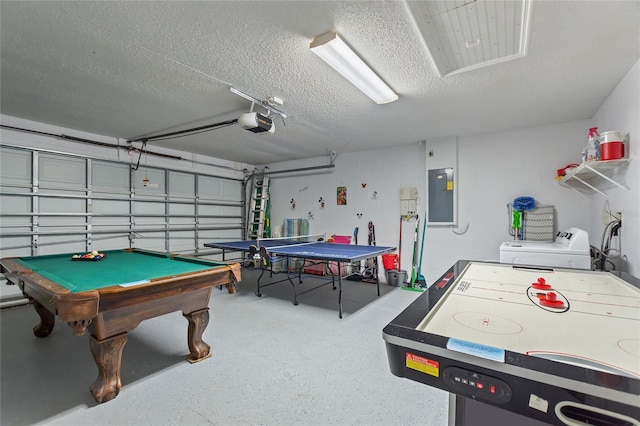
[570,249]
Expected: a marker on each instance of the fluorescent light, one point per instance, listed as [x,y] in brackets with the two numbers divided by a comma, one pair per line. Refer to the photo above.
[336,53]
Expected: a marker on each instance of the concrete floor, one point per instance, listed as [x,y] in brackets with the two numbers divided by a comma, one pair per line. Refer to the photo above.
[273,363]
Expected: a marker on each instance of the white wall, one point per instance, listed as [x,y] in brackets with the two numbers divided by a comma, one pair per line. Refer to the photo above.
[493,170]
[621,111]
[384,171]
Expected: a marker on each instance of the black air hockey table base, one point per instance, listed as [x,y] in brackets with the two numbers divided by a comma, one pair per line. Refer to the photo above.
[494,375]
[469,412]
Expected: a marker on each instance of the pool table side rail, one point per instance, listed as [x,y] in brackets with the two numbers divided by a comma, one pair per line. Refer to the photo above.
[181,283]
[235,267]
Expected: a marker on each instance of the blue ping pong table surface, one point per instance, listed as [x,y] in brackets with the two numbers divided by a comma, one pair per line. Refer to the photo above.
[320,250]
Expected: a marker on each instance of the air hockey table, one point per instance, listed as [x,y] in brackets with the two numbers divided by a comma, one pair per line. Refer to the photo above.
[558,346]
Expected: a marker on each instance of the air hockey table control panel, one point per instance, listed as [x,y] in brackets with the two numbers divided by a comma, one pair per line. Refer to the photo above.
[558,345]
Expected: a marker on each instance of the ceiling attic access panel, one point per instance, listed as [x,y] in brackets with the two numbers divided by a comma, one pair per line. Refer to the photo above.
[463,35]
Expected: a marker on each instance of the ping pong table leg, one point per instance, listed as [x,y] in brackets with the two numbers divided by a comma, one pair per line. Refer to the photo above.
[220,286]
[258,282]
[333,276]
[295,293]
[340,289]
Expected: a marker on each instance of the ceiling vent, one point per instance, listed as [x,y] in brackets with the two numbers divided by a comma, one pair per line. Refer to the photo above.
[463,35]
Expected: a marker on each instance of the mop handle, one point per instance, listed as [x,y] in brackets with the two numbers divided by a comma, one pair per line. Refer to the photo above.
[400,245]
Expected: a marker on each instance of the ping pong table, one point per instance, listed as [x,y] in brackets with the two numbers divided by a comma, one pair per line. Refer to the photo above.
[317,251]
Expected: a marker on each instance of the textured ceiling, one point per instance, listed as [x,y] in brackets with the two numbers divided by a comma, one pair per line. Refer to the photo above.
[131,69]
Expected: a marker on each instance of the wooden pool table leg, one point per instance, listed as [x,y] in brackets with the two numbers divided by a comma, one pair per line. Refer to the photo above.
[107,353]
[47,320]
[198,321]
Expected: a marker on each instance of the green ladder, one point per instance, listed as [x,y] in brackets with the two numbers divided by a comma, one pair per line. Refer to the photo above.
[258,209]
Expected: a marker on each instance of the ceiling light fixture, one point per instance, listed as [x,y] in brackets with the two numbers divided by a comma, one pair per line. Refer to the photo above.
[335,52]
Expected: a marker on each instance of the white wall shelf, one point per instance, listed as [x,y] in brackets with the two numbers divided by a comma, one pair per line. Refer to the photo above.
[595,176]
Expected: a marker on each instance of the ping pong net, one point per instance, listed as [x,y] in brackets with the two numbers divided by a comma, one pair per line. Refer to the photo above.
[288,241]
[263,245]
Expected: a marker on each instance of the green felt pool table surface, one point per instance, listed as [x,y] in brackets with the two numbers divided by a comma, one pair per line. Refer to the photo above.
[110,297]
[119,267]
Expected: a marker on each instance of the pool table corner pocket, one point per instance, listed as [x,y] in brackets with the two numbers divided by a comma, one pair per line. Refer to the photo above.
[77,309]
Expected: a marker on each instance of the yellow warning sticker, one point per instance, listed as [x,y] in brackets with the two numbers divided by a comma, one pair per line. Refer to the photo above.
[423,365]
[449,185]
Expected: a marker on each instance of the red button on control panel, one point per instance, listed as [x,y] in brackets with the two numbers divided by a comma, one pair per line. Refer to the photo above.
[476,385]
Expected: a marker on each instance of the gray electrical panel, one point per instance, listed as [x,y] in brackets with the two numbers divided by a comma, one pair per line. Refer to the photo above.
[441,196]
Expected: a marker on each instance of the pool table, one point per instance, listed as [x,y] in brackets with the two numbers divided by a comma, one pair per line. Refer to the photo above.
[113,295]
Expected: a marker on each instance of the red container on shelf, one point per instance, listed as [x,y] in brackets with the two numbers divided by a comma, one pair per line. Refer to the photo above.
[611,146]
[563,171]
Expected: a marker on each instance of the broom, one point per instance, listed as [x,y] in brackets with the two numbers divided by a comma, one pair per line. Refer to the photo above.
[414,273]
[420,280]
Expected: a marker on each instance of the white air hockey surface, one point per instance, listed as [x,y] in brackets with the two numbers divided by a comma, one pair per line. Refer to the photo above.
[494,307]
